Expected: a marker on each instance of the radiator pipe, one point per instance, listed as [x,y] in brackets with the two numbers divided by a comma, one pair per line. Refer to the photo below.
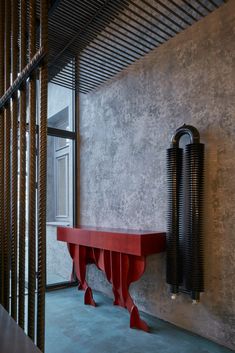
[189,130]
[185,198]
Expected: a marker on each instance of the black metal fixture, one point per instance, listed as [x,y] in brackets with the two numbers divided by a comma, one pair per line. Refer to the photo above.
[184,233]
[109,35]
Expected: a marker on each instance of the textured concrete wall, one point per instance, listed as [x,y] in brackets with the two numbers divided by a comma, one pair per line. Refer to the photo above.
[125,130]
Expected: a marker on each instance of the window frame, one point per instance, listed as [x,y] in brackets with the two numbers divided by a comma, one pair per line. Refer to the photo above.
[70,135]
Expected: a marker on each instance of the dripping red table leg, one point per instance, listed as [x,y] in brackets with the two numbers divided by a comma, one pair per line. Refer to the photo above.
[79,253]
[130,270]
[121,270]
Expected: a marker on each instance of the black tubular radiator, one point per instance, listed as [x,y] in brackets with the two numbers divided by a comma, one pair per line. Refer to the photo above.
[184,263]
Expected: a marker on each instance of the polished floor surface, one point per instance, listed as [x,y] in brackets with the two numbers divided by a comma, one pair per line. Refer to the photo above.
[72,327]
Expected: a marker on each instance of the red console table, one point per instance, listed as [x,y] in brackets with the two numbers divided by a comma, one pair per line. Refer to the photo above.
[121,254]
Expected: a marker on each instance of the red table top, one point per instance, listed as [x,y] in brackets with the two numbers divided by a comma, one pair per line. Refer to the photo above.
[134,242]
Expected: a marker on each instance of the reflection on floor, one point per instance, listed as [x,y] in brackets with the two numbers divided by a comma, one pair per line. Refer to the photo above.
[72,327]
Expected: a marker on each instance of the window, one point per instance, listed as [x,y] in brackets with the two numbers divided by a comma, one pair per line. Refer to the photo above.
[60,181]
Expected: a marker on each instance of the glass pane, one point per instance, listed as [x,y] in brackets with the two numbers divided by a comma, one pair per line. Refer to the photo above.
[62,186]
[59,206]
[61,143]
[60,107]
[26,203]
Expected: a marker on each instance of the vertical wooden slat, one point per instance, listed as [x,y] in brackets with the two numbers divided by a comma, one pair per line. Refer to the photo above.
[2,30]
[7,139]
[22,168]
[32,174]
[14,161]
[42,181]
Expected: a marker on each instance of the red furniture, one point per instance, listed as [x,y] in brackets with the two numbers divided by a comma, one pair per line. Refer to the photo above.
[119,253]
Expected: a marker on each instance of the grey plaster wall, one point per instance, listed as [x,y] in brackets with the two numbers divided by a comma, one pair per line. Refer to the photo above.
[125,129]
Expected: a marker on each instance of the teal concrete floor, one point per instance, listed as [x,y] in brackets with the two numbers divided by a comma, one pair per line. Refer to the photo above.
[72,327]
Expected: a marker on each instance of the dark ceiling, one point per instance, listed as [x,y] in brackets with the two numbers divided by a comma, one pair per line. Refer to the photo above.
[103,37]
